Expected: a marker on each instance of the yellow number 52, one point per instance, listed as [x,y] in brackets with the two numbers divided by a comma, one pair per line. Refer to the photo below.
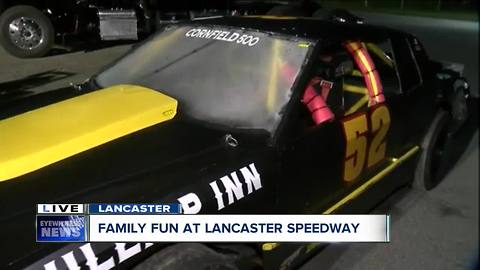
[357,132]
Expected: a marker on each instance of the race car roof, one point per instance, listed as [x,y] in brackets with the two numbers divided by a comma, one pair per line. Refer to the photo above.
[310,28]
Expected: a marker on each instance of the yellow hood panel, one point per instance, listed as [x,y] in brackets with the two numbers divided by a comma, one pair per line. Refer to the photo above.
[38,138]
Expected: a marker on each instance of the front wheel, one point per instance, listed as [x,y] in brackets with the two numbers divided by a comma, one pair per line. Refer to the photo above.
[432,164]
[26,32]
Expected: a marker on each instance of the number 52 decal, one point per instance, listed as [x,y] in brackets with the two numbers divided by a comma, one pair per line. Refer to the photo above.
[359,150]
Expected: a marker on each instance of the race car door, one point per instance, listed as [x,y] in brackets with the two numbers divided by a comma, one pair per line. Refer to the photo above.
[328,161]
[314,149]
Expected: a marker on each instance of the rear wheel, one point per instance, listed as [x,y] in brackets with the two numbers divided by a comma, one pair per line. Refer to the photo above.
[26,32]
[432,164]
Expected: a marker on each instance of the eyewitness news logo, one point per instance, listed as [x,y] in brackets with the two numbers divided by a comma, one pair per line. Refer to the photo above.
[65,228]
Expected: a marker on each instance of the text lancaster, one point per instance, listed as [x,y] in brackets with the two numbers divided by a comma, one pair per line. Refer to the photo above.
[132,208]
[220,228]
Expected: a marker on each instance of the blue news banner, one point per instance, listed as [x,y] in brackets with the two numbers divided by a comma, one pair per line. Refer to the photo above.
[69,222]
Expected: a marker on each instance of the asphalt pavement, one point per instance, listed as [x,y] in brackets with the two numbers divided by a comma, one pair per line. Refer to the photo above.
[54,71]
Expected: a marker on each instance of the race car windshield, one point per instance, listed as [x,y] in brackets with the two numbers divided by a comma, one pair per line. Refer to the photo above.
[236,78]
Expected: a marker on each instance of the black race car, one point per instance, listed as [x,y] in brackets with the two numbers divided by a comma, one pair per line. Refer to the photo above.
[229,115]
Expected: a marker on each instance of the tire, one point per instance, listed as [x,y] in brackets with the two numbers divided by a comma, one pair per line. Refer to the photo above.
[432,164]
[287,11]
[198,256]
[34,39]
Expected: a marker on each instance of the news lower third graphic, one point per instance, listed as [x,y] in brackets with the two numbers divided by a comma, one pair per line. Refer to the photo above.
[165,223]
